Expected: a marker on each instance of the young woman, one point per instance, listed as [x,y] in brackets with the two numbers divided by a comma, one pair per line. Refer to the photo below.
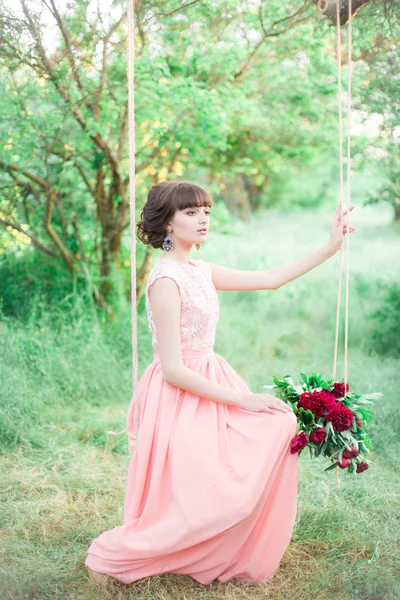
[212,485]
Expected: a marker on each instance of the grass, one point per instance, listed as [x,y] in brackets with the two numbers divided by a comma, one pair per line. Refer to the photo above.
[63,478]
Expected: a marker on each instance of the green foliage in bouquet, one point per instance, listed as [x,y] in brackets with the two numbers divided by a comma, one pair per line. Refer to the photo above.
[331,419]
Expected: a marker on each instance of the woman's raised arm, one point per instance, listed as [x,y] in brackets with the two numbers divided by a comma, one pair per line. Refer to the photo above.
[272,279]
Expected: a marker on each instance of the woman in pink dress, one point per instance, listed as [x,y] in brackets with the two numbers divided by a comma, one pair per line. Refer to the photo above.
[212,486]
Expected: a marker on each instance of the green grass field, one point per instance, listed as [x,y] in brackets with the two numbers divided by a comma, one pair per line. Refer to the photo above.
[63,478]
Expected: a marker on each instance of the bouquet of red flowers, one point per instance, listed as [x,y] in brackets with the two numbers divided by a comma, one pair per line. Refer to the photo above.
[331,420]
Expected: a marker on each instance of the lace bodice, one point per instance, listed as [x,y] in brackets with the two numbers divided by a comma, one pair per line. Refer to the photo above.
[199,301]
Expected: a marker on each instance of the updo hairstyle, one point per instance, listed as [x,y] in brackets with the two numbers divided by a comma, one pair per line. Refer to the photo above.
[163,200]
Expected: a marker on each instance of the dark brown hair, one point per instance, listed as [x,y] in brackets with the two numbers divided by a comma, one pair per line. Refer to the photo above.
[163,200]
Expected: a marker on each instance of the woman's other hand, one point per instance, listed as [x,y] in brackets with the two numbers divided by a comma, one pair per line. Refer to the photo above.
[263,403]
[339,227]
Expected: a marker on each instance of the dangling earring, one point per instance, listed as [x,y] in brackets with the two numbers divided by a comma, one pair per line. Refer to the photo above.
[197,246]
[167,243]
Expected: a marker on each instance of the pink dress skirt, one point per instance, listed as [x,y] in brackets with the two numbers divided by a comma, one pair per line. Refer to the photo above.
[211,490]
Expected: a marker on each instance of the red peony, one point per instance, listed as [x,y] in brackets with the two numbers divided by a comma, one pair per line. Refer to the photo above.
[305,401]
[344,464]
[339,390]
[298,442]
[328,400]
[317,402]
[318,435]
[362,466]
[351,452]
[341,417]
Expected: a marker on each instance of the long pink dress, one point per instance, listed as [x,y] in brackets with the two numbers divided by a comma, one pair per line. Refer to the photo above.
[212,488]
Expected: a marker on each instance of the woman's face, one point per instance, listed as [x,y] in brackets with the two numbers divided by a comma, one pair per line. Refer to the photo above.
[186,224]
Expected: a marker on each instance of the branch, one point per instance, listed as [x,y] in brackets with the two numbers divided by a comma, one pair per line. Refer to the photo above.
[270,33]
[168,14]
[26,186]
[78,166]
[65,35]
[123,131]
[106,40]
[79,239]
[82,173]
[45,185]
[139,24]
[30,235]
[174,158]
[67,256]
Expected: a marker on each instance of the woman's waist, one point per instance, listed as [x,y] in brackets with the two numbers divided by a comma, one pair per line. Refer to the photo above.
[189,353]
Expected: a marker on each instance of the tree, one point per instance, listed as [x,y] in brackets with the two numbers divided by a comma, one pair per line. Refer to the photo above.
[239,89]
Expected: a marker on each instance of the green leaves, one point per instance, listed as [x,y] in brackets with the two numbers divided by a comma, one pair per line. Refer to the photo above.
[363,413]
[306,416]
[365,398]
[331,467]
[284,382]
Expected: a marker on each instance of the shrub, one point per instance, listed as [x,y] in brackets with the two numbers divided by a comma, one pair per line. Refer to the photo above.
[385,333]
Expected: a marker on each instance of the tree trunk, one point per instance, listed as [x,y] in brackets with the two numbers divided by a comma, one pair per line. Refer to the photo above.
[254,191]
[236,198]
[106,285]
[328,7]
[397,209]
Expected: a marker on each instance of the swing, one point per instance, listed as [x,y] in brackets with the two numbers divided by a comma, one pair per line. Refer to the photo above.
[284,387]
[330,416]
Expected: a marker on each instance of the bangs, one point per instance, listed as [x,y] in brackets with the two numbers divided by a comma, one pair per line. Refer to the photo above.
[189,195]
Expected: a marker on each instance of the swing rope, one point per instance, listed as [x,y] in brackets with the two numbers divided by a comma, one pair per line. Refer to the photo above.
[349,74]
[339,67]
[132,215]
[132,204]
[341,186]
[341,191]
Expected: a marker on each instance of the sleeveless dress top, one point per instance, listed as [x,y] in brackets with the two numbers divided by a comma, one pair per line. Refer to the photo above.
[199,302]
